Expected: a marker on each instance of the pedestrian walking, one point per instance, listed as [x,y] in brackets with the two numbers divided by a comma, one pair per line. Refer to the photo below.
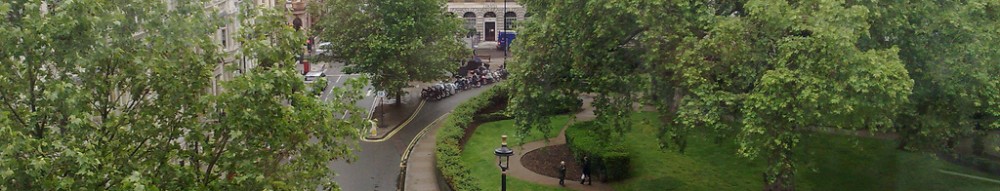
[586,172]
[562,173]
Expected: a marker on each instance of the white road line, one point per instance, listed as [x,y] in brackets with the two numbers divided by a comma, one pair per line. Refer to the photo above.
[371,111]
[343,75]
[345,114]
[327,91]
[338,79]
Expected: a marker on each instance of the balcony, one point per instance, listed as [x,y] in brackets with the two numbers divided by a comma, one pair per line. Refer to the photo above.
[299,6]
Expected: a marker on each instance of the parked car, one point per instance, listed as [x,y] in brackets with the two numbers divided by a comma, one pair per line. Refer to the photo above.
[313,76]
[323,48]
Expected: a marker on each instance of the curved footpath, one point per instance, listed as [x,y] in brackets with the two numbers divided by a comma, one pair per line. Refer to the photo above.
[518,170]
[421,173]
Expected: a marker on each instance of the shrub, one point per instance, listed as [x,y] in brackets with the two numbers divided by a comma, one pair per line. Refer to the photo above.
[609,159]
[449,152]
[316,88]
[565,104]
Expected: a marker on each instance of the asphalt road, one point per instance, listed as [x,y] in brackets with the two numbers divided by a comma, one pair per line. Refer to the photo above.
[377,164]
[337,78]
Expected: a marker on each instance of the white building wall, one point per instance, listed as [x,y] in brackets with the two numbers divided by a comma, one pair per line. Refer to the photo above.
[481,8]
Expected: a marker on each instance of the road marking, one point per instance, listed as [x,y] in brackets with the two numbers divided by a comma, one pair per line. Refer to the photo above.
[401,126]
[338,79]
[344,75]
[409,148]
[371,110]
[969,176]
[345,114]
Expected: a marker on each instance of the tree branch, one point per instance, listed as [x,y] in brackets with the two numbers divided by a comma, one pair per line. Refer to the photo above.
[215,159]
[631,37]
[13,111]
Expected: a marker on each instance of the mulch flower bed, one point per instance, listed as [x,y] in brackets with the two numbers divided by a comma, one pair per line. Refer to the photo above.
[545,161]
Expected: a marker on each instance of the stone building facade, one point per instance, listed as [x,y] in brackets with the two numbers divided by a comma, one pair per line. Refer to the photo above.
[229,12]
[486,18]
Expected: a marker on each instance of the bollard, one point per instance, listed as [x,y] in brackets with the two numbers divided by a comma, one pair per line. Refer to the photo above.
[374,127]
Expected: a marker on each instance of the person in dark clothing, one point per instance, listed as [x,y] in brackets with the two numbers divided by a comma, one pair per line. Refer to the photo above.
[586,172]
[562,173]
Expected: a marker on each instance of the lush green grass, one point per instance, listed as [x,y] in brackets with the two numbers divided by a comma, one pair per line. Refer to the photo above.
[478,152]
[829,162]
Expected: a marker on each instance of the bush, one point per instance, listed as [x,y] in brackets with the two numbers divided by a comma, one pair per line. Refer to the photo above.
[449,151]
[609,159]
[566,104]
[316,88]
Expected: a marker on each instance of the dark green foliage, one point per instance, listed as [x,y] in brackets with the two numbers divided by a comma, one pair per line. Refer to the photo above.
[449,151]
[120,95]
[396,41]
[609,159]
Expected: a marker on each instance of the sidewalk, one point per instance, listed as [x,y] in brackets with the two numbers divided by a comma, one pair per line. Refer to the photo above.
[390,116]
[421,171]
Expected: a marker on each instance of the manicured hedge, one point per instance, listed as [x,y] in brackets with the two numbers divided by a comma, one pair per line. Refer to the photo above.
[609,159]
[449,151]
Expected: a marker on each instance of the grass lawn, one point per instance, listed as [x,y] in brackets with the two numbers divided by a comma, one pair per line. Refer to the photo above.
[478,152]
[828,162]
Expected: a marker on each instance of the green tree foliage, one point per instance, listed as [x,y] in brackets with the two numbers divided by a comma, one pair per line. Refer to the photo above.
[113,95]
[763,71]
[573,47]
[784,68]
[669,38]
[396,41]
[949,49]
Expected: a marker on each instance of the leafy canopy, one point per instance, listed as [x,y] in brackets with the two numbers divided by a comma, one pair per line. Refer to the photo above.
[115,95]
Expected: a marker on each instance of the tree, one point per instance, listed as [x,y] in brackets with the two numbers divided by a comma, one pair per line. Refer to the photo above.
[764,71]
[112,95]
[395,41]
[573,47]
[947,48]
[675,27]
[786,68]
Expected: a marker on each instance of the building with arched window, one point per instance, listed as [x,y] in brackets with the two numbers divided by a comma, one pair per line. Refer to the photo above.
[486,18]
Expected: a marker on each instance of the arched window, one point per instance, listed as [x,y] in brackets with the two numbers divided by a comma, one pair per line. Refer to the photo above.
[490,15]
[470,23]
[509,19]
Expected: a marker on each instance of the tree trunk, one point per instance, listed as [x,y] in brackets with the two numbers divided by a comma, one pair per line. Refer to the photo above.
[978,147]
[780,176]
[399,99]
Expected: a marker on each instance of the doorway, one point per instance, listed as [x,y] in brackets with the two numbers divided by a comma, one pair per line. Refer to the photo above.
[490,31]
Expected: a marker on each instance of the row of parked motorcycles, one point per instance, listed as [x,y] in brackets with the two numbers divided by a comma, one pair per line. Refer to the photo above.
[476,78]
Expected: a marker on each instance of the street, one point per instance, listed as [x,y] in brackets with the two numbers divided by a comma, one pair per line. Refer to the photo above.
[337,78]
[377,164]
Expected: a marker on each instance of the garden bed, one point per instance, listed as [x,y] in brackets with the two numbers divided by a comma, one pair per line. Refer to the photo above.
[545,161]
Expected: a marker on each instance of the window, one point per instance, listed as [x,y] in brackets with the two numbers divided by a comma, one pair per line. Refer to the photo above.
[470,23]
[509,19]
[224,37]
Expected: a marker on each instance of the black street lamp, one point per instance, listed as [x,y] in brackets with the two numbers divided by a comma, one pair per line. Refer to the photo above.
[505,28]
[503,160]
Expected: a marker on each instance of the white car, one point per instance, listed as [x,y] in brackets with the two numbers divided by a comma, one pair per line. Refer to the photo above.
[313,76]
[323,48]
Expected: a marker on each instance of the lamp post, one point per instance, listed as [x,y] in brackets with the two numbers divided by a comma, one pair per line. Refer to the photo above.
[503,160]
[505,24]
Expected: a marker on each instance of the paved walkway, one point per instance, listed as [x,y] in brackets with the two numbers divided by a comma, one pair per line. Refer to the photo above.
[518,170]
[389,117]
[421,171]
